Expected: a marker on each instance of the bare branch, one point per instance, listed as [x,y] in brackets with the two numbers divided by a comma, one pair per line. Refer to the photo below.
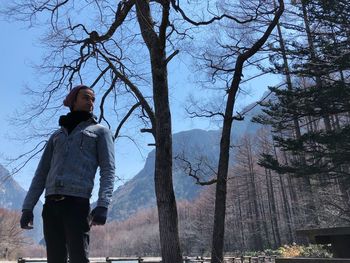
[125,119]
[202,111]
[164,23]
[204,114]
[146,130]
[99,77]
[193,172]
[122,11]
[213,19]
[103,101]
[32,153]
[258,44]
[171,56]
[133,88]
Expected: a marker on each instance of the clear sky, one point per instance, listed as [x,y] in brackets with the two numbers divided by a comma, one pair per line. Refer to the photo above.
[20,49]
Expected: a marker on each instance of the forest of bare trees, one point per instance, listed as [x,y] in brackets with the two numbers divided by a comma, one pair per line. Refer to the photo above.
[264,210]
[13,242]
[10,232]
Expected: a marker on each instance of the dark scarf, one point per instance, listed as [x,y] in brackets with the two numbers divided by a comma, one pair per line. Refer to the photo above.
[72,119]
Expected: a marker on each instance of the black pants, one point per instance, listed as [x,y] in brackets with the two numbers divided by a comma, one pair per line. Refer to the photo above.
[66,229]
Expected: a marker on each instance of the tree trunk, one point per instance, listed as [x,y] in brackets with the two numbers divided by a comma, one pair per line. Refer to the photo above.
[221,185]
[286,206]
[288,76]
[168,218]
[272,209]
[166,203]
[240,220]
[254,198]
[266,241]
[326,120]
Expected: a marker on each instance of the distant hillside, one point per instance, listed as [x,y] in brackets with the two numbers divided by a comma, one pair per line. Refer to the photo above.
[12,196]
[11,193]
[139,192]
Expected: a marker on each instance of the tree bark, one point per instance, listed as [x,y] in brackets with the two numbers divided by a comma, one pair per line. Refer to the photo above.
[288,76]
[272,208]
[166,203]
[221,185]
[326,120]
[258,242]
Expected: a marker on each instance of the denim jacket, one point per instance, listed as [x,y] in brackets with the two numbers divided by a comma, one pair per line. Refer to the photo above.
[69,162]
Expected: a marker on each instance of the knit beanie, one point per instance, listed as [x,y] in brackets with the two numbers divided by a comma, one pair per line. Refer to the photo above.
[72,96]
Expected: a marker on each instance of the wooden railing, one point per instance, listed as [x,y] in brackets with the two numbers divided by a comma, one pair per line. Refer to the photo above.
[243,259]
[312,260]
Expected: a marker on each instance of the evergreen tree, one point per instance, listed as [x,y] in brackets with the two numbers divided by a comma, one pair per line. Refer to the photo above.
[310,115]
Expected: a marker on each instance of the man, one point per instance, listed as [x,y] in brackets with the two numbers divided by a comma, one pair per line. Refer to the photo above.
[66,171]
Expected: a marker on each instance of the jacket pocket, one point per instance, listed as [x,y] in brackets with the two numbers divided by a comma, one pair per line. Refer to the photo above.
[88,140]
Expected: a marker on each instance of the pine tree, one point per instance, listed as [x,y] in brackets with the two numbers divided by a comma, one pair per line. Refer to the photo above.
[310,115]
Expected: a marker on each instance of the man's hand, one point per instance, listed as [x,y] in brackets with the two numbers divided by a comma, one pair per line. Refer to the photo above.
[27,219]
[99,215]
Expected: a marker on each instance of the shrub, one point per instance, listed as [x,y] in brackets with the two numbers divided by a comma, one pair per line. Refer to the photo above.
[294,250]
[290,251]
[312,251]
[316,251]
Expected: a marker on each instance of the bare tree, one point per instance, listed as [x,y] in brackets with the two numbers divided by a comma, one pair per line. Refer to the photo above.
[223,68]
[11,235]
[80,46]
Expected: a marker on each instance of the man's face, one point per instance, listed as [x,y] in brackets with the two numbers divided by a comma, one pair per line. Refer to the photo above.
[85,101]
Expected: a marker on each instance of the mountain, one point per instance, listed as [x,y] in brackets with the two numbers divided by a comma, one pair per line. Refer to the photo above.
[12,196]
[139,192]
[192,145]
[11,193]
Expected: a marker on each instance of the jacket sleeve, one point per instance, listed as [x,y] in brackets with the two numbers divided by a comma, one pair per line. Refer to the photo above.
[105,149]
[38,183]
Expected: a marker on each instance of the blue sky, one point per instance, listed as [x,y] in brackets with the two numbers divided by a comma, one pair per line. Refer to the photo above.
[20,49]
[19,52]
